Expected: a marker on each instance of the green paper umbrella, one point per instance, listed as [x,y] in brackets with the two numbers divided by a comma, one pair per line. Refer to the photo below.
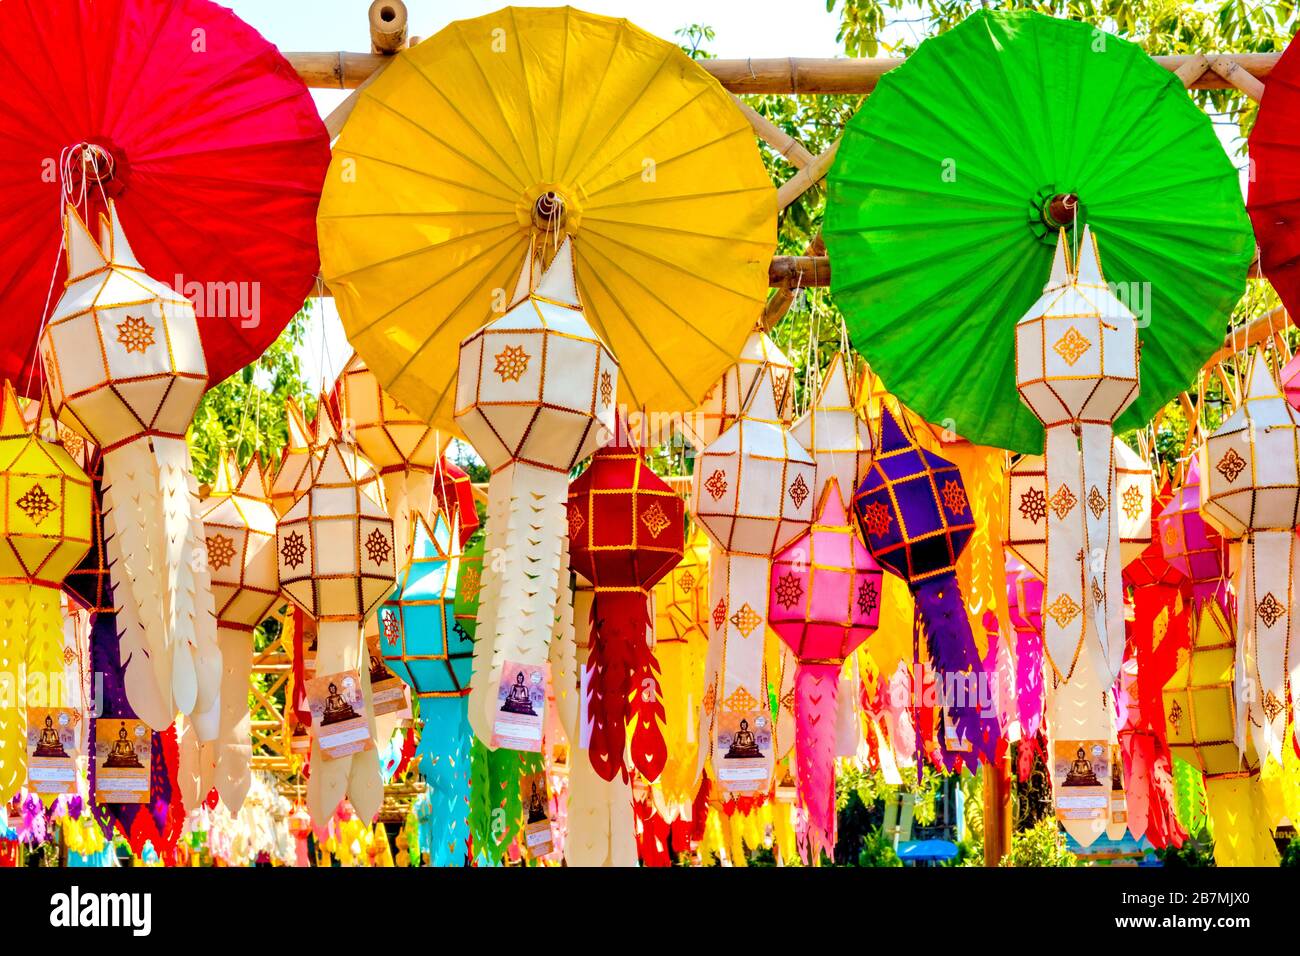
[951,183]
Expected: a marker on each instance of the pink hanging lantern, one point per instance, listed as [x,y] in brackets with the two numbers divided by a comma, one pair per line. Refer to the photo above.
[825,601]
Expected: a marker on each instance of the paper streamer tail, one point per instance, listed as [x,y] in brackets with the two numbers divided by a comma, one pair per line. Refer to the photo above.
[609,685]
[816,697]
[14,616]
[958,669]
[1240,822]
[233,749]
[649,749]
[482,687]
[197,595]
[134,544]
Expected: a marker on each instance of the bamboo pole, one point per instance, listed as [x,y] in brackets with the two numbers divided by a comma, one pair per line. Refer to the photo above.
[342,70]
[781,141]
[1237,76]
[387,26]
[806,178]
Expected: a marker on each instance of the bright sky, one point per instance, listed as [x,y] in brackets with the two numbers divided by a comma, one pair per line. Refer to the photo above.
[744,28]
[757,28]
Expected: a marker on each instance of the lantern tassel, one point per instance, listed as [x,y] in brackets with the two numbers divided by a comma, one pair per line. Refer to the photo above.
[444,760]
[941,614]
[14,615]
[610,664]
[133,538]
[481,702]
[816,696]
[649,749]
[1240,822]
[232,751]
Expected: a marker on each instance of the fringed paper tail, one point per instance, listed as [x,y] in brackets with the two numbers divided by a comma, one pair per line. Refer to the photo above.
[233,749]
[1240,822]
[134,543]
[816,696]
[968,707]
[649,749]
[13,688]
[444,760]
[614,625]
[482,688]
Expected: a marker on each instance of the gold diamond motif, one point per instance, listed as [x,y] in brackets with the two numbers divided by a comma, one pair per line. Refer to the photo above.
[512,363]
[1096,502]
[746,619]
[686,581]
[1272,706]
[576,521]
[36,504]
[720,613]
[135,334]
[1063,502]
[221,551]
[799,492]
[1063,610]
[1071,345]
[740,699]
[1132,502]
[377,547]
[710,698]
[1175,715]
[606,387]
[1230,465]
[1270,610]
[655,520]
[716,486]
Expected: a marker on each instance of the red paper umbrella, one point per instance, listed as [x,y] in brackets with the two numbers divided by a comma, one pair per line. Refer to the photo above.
[201,131]
[1274,194]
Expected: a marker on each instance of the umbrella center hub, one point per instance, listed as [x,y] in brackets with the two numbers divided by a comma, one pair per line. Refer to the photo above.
[550,211]
[1060,210]
[89,167]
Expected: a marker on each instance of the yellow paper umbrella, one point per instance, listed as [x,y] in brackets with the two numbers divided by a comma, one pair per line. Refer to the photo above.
[535,123]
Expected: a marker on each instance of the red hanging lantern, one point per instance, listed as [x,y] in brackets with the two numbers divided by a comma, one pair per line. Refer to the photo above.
[626,531]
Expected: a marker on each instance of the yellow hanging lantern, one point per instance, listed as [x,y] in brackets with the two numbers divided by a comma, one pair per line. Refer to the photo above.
[239,532]
[46,510]
[1200,721]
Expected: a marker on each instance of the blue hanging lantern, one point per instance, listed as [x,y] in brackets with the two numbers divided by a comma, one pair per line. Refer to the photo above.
[428,644]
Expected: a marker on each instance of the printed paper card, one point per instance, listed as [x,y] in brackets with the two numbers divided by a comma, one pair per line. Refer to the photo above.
[1118,799]
[521,707]
[1081,772]
[744,758]
[123,749]
[387,690]
[537,825]
[338,714]
[52,750]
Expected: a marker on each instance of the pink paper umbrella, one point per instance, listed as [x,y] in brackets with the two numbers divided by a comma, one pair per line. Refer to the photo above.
[825,602]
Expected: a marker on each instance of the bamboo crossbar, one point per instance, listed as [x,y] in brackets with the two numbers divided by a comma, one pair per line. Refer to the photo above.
[346,71]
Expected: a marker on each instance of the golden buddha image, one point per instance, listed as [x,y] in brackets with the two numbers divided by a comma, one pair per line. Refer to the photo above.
[536,806]
[378,671]
[337,709]
[518,701]
[743,743]
[123,755]
[49,744]
[1081,773]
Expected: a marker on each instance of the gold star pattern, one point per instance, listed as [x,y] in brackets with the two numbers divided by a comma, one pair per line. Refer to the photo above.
[1132,502]
[471,582]
[954,497]
[746,619]
[788,591]
[1230,465]
[1071,345]
[1096,502]
[1270,610]
[1033,505]
[135,334]
[294,550]
[512,363]
[1063,502]
[221,551]
[655,520]
[377,547]
[716,485]
[36,504]
[799,491]
[1063,610]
